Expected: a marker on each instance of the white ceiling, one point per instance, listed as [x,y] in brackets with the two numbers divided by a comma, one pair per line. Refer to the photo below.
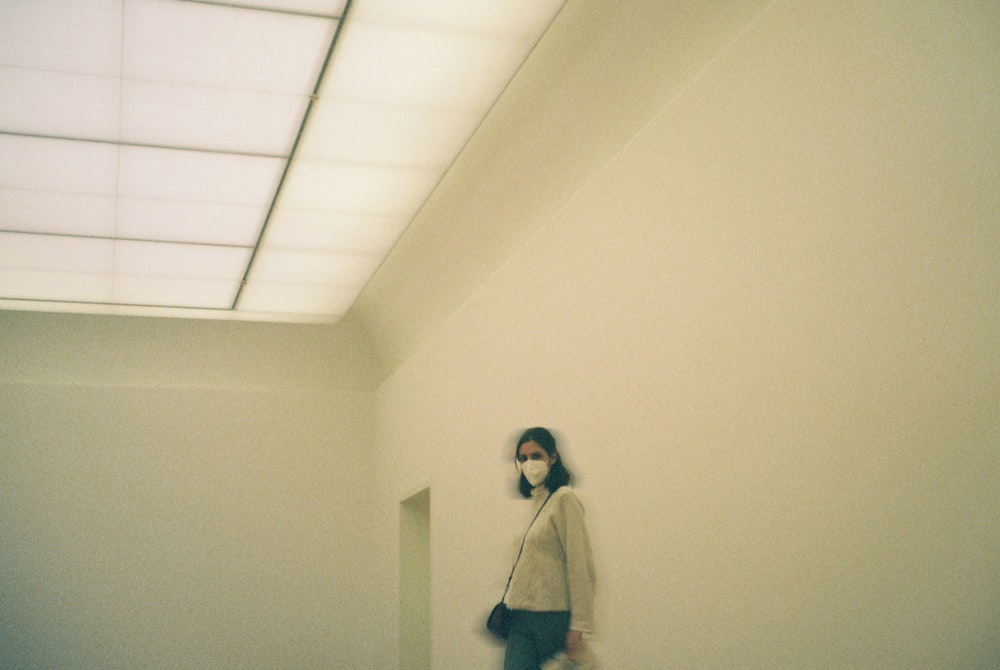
[234,159]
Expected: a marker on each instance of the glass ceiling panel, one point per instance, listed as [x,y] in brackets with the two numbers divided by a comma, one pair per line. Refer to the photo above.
[54,285]
[422,68]
[332,8]
[387,134]
[161,259]
[58,213]
[158,152]
[55,253]
[210,119]
[330,231]
[171,174]
[82,36]
[349,187]
[333,268]
[197,222]
[209,45]
[59,104]
[57,165]
[526,19]
[174,292]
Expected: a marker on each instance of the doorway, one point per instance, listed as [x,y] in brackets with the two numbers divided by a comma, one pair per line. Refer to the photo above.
[415,581]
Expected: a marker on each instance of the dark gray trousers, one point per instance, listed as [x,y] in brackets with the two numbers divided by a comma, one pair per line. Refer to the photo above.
[534,638]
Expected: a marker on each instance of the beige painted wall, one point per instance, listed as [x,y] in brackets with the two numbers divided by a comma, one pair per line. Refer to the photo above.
[767,331]
[42,348]
[761,311]
[185,495]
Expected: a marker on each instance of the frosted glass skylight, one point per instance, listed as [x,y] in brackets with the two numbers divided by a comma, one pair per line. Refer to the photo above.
[233,159]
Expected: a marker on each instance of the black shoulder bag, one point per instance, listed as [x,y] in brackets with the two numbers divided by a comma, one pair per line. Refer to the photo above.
[499,620]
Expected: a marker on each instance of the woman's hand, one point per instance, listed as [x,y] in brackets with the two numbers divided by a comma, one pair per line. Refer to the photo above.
[574,645]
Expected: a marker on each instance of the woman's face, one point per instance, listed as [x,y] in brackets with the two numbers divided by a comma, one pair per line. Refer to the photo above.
[531,451]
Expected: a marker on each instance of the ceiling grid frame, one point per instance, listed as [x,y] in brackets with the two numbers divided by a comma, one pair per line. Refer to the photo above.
[332,213]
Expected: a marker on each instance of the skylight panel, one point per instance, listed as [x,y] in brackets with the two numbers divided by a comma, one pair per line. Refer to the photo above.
[381,134]
[159,259]
[82,36]
[305,299]
[332,231]
[144,144]
[317,7]
[425,68]
[42,102]
[195,176]
[314,267]
[174,292]
[526,19]
[194,222]
[209,45]
[42,164]
[80,255]
[365,189]
[59,213]
[212,119]
[54,285]
[177,275]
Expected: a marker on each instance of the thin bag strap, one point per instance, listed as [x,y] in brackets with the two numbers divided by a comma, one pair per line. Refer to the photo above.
[525,539]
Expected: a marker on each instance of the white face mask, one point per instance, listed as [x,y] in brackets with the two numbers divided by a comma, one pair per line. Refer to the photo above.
[535,471]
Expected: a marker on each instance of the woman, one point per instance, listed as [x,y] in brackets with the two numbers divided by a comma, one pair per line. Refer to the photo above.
[551,592]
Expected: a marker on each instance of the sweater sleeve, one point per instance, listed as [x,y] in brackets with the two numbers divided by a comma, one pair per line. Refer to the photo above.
[579,563]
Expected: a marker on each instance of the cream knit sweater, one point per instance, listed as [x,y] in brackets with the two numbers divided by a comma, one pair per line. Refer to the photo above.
[556,569]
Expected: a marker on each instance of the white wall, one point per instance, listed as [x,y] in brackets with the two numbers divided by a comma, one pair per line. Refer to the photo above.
[42,348]
[185,496]
[765,325]
[767,333]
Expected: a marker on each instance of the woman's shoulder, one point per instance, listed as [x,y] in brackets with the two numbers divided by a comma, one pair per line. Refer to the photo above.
[566,496]
[563,491]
